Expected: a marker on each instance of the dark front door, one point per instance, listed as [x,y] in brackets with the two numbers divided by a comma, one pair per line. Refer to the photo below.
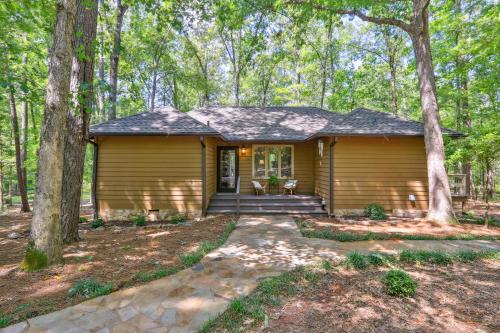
[227,169]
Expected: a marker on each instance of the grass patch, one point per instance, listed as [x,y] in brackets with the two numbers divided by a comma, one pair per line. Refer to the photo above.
[97,223]
[191,258]
[425,256]
[34,260]
[177,218]
[342,236]
[248,312]
[4,320]
[90,288]
[156,274]
[140,221]
[356,260]
[399,283]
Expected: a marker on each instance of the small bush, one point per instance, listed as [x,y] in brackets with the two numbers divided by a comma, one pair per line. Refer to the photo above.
[408,256]
[178,218]
[4,320]
[90,288]
[140,221]
[326,265]
[375,212]
[399,283]
[356,260]
[157,274]
[97,223]
[379,259]
[34,260]
[82,220]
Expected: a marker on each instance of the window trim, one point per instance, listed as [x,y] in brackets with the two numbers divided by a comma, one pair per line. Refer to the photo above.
[266,160]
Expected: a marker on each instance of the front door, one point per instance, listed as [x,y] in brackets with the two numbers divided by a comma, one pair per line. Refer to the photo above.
[227,169]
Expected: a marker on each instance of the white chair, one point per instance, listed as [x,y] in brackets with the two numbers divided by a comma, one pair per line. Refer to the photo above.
[290,186]
[258,188]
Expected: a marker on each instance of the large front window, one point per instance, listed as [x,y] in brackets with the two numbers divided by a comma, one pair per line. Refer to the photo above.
[272,160]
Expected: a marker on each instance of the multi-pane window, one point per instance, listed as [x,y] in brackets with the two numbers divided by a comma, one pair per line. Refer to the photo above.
[272,160]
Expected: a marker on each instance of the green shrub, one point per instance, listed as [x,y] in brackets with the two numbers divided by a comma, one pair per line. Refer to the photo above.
[140,220]
[356,260]
[4,320]
[34,259]
[375,211]
[273,180]
[379,259]
[90,288]
[82,220]
[178,218]
[326,265]
[156,274]
[399,283]
[408,256]
[97,223]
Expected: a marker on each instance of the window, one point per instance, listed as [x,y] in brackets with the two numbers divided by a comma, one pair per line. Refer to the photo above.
[272,160]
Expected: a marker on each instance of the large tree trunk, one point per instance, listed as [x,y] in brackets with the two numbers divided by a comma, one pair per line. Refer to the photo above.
[115,57]
[82,75]
[25,207]
[46,222]
[440,204]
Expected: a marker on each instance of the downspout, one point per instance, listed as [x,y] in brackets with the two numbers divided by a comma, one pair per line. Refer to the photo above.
[332,179]
[203,176]
[94,179]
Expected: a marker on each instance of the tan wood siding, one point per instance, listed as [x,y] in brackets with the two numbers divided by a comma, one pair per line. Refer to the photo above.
[149,173]
[211,153]
[381,170]
[322,171]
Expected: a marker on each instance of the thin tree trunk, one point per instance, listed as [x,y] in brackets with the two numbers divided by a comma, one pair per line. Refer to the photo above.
[237,87]
[2,192]
[46,223]
[33,122]
[153,89]
[25,207]
[24,131]
[10,192]
[115,57]
[440,204]
[101,95]
[82,75]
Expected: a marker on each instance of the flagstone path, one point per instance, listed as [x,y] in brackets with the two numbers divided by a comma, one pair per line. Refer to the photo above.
[261,246]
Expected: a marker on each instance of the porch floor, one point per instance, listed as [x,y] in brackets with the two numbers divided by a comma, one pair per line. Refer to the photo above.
[226,203]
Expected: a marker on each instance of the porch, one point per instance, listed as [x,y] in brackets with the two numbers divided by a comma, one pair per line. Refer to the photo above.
[232,203]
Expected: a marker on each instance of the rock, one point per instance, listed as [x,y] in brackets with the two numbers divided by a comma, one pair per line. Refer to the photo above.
[14,235]
[98,229]
[116,230]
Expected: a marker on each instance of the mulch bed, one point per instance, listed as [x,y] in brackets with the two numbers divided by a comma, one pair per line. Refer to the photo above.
[463,297]
[113,254]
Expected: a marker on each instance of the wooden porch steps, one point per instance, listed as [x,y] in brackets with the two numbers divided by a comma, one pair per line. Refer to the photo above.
[223,203]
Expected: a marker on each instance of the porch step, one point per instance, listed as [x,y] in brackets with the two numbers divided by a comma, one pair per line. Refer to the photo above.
[222,203]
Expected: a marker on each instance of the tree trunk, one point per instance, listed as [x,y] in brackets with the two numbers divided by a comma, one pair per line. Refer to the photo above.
[115,57]
[153,89]
[24,131]
[489,180]
[101,95]
[440,204]
[25,207]
[10,192]
[46,222]
[2,193]
[78,118]
[237,87]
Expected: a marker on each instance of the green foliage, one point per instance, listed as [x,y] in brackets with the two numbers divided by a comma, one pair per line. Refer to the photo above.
[273,181]
[178,218]
[90,288]
[356,260]
[375,211]
[97,223]
[399,283]
[140,220]
[326,265]
[156,274]
[82,219]
[34,259]
[4,320]
[425,256]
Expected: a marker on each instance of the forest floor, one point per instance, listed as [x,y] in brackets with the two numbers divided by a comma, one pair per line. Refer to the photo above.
[116,253]
[360,228]
[462,297]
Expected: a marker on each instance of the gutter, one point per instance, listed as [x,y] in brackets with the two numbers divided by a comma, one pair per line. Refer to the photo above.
[203,176]
[332,179]
[94,179]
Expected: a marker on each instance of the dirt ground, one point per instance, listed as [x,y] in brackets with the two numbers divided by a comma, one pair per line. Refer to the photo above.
[114,254]
[458,298]
[413,226]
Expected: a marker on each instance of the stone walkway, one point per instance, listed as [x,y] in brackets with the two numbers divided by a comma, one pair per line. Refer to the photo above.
[259,247]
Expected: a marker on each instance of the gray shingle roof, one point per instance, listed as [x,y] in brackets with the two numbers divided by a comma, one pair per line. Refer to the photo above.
[370,122]
[163,121]
[266,123]
[262,123]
